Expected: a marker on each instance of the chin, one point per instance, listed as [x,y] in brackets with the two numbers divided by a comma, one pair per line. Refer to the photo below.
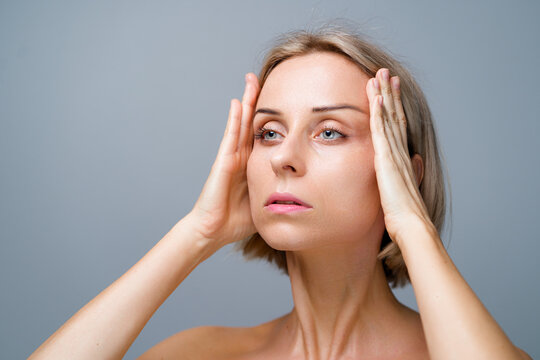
[285,244]
[291,237]
[288,245]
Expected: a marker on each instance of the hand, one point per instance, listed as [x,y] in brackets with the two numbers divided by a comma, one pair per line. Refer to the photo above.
[222,212]
[401,200]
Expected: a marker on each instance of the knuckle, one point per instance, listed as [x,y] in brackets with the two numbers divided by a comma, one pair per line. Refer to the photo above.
[403,119]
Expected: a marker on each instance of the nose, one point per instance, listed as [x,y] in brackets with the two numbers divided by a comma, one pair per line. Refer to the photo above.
[288,158]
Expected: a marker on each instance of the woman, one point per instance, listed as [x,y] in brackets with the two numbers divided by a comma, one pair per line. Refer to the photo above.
[332,159]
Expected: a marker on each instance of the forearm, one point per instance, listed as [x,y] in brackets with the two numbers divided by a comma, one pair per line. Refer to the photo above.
[456,323]
[106,327]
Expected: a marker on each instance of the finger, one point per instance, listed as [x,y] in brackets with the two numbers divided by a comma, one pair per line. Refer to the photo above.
[390,137]
[388,111]
[393,130]
[402,119]
[384,148]
[249,100]
[378,137]
[400,130]
[383,76]
[232,130]
[371,90]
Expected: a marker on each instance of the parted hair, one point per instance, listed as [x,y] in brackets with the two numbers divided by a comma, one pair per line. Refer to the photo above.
[421,134]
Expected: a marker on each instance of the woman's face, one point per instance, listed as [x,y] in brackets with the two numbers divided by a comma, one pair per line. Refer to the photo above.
[323,157]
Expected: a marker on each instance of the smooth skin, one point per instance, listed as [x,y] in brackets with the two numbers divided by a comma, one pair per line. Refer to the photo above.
[453,324]
[343,306]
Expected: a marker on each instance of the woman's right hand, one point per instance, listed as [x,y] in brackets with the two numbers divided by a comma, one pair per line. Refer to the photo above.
[222,212]
[220,215]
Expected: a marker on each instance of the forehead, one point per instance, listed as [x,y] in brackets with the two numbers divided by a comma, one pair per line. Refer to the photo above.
[317,79]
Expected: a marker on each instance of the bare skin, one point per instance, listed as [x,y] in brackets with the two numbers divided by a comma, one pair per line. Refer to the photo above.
[343,306]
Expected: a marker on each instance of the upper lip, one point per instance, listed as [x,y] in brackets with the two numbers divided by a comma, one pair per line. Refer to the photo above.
[285,197]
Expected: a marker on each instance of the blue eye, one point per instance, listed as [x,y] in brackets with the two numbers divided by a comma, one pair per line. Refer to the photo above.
[261,134]
[327,134]
[267,135]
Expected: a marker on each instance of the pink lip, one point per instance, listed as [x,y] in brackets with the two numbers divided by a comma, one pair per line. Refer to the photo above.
[285,208]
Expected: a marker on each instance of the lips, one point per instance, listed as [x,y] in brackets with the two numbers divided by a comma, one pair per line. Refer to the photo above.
[286,198]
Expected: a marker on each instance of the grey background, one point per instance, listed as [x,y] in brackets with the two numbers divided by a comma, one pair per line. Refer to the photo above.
[112,112]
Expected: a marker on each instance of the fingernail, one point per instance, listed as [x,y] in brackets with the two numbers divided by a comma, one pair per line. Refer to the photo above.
[380,99]
[385,74]
[395,82]
[375,83]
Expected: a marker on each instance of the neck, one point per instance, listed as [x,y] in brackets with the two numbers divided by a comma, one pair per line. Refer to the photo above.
[342,301]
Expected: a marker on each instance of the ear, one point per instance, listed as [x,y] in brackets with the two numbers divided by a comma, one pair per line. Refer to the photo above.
[418,167]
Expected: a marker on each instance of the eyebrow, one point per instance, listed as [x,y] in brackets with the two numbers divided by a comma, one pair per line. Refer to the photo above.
[315,109]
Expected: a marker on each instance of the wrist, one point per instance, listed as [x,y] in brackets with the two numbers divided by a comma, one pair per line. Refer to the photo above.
[416,232]
[188,228]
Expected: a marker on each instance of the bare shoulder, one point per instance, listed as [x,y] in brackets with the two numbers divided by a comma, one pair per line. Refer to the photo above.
[211,342]
[187,344]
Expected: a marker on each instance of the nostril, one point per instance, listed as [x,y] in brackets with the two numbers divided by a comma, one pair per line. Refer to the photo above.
[289,166]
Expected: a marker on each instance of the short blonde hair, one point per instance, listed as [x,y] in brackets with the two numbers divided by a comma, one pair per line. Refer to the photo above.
[421,134]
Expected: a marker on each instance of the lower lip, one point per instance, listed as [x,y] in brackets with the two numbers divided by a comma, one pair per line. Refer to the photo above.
[285,208]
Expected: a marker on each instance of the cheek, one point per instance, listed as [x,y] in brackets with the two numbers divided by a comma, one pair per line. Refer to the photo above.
[250,175]
[350,198]
[352,181]
[255,177]
[259,174]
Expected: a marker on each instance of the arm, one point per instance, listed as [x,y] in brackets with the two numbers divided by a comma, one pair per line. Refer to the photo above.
[455,322]
[106,327]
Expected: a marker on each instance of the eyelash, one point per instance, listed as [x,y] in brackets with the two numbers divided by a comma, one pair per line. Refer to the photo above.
[261,131]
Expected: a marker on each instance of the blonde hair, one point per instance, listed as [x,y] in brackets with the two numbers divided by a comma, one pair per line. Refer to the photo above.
[421,136]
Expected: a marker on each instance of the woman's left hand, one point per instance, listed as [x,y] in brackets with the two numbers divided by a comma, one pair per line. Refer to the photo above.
[437,284]
[398,184]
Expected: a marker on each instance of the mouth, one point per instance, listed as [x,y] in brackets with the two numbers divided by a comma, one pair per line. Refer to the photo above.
[285,202]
